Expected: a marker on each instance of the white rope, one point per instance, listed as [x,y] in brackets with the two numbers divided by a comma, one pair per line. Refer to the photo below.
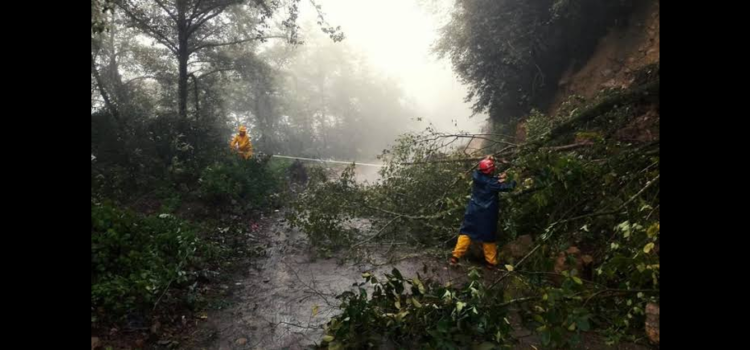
[327,161]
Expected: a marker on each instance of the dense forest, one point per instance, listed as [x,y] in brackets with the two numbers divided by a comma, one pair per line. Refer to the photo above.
[195,247]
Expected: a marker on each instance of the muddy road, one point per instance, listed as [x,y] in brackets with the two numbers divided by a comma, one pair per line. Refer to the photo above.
[284,299]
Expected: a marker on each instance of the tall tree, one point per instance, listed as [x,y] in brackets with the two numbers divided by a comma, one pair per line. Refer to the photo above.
[510,53]
[187,27]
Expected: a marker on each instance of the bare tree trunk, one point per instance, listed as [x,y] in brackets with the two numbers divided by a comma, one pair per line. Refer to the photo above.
[195,93]
[112,108]
[119,93]
[182,92]
[182,58]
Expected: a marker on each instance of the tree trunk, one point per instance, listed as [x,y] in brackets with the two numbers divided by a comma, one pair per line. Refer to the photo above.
[182,92]
[182,58]
[112,108]
[120,95]
[195,96]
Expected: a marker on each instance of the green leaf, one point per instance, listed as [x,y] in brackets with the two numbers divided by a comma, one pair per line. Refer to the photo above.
[583,324]
[419,285]
[401,315]
[328,338]
[509,267]
[460,306]
[444,325]
[546,337]
[652,230]
[647,249]
[577,280]
[625,228]
[416,303]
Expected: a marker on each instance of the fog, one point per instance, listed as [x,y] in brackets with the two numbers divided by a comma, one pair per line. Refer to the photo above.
[395,37]
[346,100]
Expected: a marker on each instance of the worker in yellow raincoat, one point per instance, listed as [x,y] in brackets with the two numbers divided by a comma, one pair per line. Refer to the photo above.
[241,143]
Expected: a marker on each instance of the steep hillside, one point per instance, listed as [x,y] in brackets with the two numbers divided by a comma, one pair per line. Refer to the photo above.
[626,48]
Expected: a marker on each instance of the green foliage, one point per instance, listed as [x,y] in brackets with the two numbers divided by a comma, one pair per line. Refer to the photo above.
[149,154]
[537,125]
[235,180]
[325,210]
[432,188]
[631,263]
[135,259]
[510,53]
[420,313]
[170,198]
[99,9]
[602,198]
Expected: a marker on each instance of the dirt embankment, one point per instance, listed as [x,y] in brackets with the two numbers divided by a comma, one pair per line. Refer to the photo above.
[618,55]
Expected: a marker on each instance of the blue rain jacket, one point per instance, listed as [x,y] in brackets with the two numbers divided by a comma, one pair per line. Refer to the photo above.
[480,219]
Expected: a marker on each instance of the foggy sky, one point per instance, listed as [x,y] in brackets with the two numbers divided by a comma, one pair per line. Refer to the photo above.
[395,37]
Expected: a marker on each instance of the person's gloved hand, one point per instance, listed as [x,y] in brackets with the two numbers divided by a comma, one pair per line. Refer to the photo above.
[502,177]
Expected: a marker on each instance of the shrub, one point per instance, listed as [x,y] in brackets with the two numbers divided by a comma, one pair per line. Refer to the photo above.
[135,259]
[237,180]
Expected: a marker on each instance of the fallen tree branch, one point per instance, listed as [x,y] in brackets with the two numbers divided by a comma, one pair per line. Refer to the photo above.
[622,206]
[318,293]
[515,301]
[527,191]
[298,325]
[414,217]
[499,154]
[392,261]
[568,147]
[619,291]
[478,136]
[615,211]
[376,234]
[648,91]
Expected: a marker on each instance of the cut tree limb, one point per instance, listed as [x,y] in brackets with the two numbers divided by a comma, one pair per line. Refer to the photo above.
[568,147]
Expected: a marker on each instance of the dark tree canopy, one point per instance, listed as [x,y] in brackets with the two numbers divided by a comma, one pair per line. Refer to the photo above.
[510,53]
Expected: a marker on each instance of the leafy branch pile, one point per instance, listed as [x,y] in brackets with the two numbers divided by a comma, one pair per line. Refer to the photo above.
[589,198]
[416,312]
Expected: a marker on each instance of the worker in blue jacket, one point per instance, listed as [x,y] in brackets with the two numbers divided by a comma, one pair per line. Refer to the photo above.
[480,219]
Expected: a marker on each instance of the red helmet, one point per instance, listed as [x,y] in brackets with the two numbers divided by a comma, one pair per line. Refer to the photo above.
[487,166]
